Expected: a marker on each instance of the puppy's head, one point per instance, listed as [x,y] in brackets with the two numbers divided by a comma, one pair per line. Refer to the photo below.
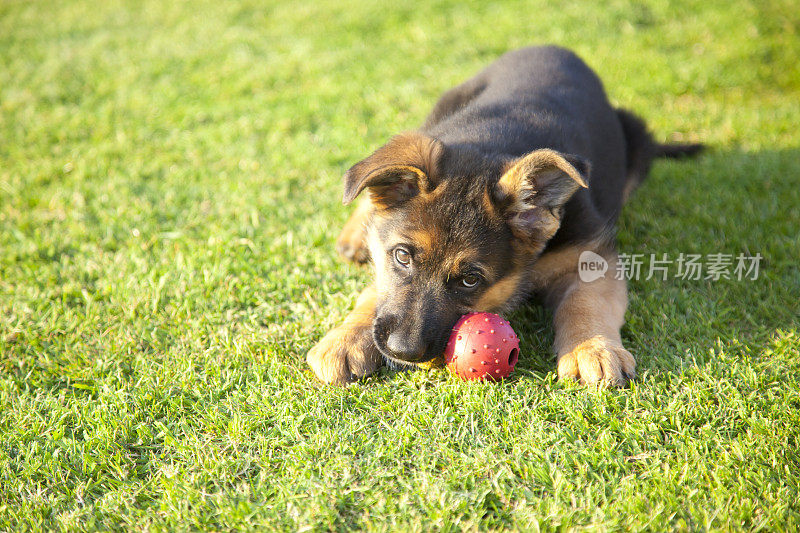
[454,231]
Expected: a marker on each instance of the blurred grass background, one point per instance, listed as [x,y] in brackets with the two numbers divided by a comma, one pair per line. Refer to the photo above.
[169,198]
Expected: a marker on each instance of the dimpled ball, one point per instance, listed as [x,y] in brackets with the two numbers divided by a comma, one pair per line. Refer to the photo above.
[482,346]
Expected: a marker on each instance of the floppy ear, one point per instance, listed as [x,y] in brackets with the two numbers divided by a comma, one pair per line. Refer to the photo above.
[405,166]
[534,189]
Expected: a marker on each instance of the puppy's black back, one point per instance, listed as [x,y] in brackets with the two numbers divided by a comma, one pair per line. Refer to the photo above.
[542,97]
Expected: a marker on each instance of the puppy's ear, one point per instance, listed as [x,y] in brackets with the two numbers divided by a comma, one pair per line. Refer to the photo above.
[401,169]
[534,189]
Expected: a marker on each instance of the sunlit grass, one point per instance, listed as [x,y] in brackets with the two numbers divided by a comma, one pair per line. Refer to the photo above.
[169,198]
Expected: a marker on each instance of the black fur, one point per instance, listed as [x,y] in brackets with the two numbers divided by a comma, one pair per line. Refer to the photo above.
[547,97]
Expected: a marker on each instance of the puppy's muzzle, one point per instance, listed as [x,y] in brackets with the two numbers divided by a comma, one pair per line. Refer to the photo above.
[403,344]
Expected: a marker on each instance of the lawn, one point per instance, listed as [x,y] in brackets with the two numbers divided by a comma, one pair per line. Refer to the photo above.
[170,184]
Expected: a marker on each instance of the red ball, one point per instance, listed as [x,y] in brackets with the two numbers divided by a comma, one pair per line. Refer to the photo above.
[482,346]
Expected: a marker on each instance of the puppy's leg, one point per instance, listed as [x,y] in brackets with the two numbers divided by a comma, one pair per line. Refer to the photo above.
[587,319]
[352,243]
[347,352]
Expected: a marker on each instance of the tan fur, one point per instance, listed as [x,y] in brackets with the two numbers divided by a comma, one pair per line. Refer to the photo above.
[425,239]
[499,293]
[347,352]
[454,265]
[378,255]
[414,182]
[535,187]
[598,360]
[412,156]
[351,243]
[543,230]
[552,266]
[516,179]
[436,189]
[587,318]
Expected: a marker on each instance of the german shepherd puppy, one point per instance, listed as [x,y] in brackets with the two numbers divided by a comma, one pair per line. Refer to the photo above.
[514,174]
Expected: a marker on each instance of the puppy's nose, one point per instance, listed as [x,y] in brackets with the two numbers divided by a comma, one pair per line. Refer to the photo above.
[404,347]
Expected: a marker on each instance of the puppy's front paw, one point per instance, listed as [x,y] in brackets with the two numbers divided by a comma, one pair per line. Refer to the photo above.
[344,354]
[352,242]
[598,360]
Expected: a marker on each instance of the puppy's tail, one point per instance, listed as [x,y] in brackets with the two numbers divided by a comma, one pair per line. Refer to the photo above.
[678,151]
[643,149]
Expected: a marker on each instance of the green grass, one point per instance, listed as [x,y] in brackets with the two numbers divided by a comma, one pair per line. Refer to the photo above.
[169,198]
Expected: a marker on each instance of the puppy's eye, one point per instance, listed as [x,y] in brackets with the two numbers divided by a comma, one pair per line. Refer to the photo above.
[470,281]
[402,256]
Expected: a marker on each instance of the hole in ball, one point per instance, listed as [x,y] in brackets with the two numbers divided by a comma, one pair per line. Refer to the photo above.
[513,356]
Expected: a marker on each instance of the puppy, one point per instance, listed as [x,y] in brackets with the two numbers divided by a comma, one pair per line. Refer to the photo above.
[514,174]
